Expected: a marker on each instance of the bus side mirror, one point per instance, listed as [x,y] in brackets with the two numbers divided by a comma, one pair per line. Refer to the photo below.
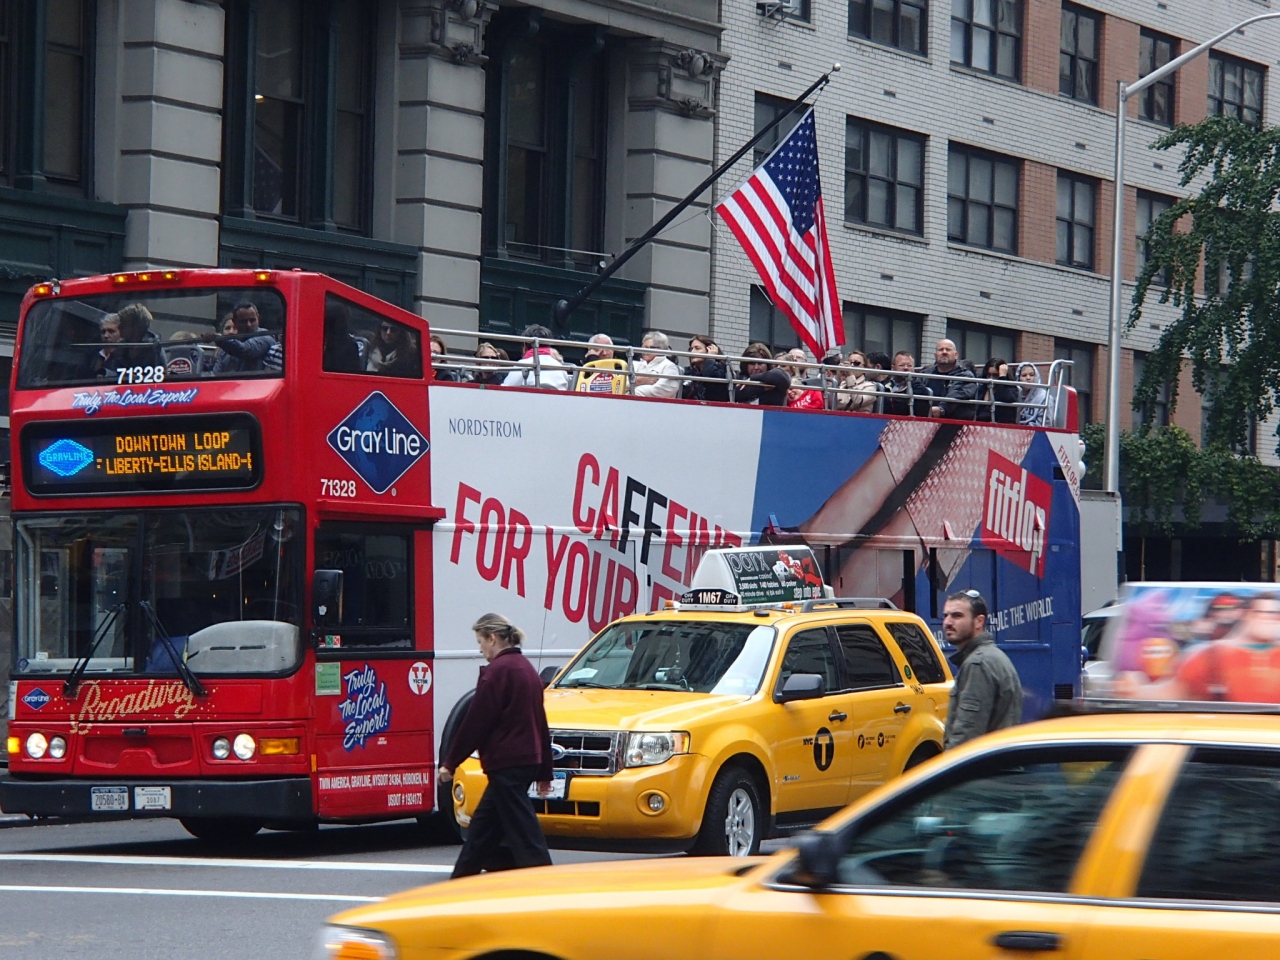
[326,598]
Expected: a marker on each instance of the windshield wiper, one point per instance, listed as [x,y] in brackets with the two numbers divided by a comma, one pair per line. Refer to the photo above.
[584,683]
[189,679]
[72,682]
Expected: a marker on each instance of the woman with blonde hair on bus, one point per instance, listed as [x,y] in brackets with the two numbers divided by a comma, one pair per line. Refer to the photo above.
[507,724]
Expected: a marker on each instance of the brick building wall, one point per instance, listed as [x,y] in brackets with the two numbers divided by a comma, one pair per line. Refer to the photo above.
[1026,293]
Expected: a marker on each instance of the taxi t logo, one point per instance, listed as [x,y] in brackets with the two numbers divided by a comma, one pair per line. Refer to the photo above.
[1016,514]
[824,748]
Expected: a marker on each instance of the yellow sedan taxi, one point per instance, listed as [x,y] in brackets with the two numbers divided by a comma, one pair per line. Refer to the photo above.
[1133,836]
[737,714]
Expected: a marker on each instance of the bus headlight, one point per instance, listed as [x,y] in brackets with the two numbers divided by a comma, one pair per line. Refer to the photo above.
[37,746]
[57,748]
[649,749]
[352,943]
[244,746]
[221,748]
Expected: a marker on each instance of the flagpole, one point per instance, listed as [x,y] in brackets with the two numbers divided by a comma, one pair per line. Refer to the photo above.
[563,308]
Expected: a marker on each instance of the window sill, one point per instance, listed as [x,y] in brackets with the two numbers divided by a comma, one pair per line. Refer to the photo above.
[887,48]
[1015,258]
[885,233]
[968,71]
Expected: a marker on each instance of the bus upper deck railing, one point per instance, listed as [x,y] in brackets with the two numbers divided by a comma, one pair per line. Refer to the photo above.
[542,369]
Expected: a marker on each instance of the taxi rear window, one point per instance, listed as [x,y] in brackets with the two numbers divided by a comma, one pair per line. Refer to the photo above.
[919,652]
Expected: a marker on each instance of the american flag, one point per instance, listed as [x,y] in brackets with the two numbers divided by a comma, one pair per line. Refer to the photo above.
[776,214]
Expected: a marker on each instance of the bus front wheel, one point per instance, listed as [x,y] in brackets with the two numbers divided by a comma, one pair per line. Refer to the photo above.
[221,829]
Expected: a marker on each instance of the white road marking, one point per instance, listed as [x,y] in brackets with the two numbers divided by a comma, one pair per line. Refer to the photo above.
[233,894]
[355,866]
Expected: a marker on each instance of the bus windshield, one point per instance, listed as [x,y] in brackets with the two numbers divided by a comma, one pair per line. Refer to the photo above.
[219,588]
[153,336]
[689,655]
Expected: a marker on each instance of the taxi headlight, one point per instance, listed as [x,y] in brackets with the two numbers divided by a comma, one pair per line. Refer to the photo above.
[36,746]
[353,943]
[57,748]
[244,746]
[648,749]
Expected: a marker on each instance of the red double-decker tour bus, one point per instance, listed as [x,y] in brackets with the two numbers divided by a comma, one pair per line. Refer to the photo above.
[173,498]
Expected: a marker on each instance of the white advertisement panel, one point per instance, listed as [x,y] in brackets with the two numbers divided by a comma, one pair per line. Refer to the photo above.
[565,511]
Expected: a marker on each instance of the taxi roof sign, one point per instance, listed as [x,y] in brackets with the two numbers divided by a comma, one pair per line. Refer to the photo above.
[750,576]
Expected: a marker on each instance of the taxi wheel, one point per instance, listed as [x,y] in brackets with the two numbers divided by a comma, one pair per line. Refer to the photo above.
[220,829]
[733,824]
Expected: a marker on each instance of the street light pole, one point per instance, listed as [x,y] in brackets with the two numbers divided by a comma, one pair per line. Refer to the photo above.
[1111,462]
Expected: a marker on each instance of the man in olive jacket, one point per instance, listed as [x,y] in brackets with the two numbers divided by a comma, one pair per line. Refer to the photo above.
[987,694]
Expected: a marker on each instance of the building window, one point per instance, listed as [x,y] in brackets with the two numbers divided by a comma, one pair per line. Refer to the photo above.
[545,128]
[1079,374]
[1235,89]
[769,325]
[873,329]
[1076,202]
[978,343]
[883,177]
[1155,413]
[1150,207]
[46,120]
[894,23]
[986,35]
[767,110]
[298,120]
[1250,445]
[1157,100]
[982,200]
[1078,58]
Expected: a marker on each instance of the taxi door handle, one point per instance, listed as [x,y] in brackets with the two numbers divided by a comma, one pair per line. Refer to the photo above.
[1028,941]
[902,708]
[837,715]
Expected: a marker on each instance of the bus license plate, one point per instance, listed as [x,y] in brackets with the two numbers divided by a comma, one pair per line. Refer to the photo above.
[104,799]
[558,785]
[153,798]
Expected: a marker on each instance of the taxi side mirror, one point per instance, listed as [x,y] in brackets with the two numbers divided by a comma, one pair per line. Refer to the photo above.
[547,675]
[802,686]
[326,598]
[817,859]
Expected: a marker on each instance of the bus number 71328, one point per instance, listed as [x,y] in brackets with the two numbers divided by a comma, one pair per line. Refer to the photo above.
[337,488]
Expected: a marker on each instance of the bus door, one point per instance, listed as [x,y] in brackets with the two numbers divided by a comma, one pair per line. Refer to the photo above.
[374,675]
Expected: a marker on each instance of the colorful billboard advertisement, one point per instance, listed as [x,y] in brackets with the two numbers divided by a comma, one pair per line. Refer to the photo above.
[564,512]
[1198,642]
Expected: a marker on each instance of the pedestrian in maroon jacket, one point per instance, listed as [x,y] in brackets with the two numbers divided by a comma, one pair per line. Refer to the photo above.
[507,724]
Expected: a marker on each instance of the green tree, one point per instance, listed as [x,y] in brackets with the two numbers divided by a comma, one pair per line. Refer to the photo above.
[1231,226]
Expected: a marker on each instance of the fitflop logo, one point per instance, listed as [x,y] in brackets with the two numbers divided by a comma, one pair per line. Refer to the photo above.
[1016,514]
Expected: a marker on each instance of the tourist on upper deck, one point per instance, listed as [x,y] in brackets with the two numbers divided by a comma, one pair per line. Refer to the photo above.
[655,374]
[862,392]
[439,361]
[951,394]
[599,347]
[549,374]
[906,395]
[489,373]
[247,349]
[1002,391]
[706,363]
[1034,393]
[769,383]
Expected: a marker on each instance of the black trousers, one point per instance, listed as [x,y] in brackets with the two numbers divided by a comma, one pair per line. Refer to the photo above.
[504,832]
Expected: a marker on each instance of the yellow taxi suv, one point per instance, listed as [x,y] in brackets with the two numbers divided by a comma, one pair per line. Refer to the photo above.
[754,707]
[1136,836]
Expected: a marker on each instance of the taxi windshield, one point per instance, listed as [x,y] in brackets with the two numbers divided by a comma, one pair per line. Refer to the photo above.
[150,337]
[686,655]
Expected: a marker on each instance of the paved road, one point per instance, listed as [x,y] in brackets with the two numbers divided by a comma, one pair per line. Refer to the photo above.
[143,889]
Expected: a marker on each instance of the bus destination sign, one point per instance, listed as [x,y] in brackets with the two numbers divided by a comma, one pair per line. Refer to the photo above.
[127,455]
